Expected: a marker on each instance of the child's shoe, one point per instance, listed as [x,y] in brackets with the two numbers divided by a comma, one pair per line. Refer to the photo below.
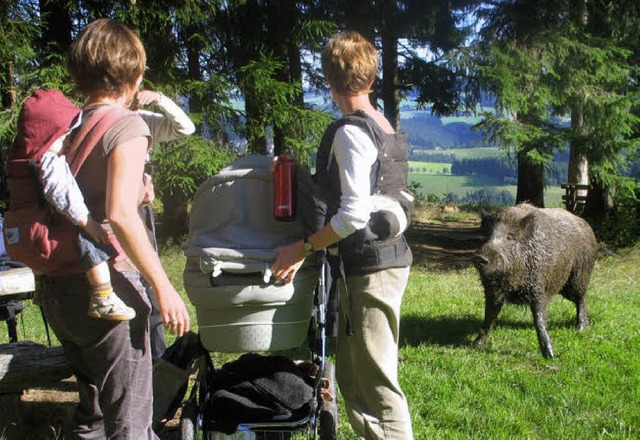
[110,307]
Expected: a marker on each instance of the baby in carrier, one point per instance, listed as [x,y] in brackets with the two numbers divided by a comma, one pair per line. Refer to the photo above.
[61,190]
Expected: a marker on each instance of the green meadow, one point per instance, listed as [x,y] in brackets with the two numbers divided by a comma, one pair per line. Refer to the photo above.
[505,390]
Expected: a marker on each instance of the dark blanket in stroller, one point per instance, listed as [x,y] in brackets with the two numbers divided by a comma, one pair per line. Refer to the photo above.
[258,389]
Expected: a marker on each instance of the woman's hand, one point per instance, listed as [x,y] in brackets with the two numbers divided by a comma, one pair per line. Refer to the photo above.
[147,97]
[288,261]
[173,310]
[95,231]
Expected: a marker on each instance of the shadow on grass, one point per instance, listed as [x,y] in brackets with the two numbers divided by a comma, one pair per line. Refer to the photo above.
[417,330]
[459,331]
[45,419]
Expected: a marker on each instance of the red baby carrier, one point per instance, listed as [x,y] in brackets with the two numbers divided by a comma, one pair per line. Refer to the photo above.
[35,234]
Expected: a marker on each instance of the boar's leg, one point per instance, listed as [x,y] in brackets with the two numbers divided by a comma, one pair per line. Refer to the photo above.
[582,315]
[576,292]
[492,307]
[539,311]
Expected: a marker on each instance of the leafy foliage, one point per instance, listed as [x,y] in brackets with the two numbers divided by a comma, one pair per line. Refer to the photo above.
[183,165]
[620,226]
[302,126]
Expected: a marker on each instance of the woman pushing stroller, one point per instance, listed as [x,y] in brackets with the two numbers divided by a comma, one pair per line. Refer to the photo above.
[365,220]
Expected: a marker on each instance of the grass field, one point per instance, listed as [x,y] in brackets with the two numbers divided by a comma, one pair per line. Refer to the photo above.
[470,153]
[506,390]
[441,184]
[475,153]
[416,167]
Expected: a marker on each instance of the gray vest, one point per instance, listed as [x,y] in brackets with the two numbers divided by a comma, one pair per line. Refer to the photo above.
[381,244]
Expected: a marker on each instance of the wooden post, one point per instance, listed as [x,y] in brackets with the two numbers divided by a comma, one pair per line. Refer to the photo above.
[575,196]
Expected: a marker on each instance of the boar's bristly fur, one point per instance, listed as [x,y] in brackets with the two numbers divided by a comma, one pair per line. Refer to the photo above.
[530,255]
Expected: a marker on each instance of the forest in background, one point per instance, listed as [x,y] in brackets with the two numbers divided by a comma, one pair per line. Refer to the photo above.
[562,77]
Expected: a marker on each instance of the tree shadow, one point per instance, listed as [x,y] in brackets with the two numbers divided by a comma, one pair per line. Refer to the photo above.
[443,246]
[460,331]
[420,330]
[46,420]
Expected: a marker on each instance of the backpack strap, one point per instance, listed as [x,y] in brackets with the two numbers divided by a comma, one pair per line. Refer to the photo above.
[90,132]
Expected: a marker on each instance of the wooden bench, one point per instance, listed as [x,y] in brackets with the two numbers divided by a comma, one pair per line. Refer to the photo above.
[575,197]
[23,365]
[16,284]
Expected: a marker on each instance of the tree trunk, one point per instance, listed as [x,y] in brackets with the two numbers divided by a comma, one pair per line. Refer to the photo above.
[256,137]
[56,26]
[359,16]
[195,73]
[578,167]
[295,71]
[530,181]
[599,200]
[174,222]
[7,86]
[175,219]
[391,97]
[281,19]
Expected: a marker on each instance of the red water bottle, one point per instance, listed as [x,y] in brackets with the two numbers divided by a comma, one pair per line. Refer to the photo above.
[284,188]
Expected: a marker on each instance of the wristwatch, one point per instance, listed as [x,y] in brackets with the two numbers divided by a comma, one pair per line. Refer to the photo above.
[307,245]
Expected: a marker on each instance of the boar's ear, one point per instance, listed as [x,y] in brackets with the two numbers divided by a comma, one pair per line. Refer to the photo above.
[527,225]
[488,223]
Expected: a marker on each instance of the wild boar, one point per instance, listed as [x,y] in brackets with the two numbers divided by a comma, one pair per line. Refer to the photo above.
[530,255]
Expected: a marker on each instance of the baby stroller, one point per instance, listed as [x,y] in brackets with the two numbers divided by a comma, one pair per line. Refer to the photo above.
[240,309]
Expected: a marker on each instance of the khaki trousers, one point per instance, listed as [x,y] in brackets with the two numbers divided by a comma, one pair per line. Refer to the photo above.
[367,361]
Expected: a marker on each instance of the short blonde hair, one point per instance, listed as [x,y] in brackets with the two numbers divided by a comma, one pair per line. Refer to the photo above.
[349,63]
[107,57]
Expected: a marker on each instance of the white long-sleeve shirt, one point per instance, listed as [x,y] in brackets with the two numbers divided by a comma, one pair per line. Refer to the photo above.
[355,154]
[171,124]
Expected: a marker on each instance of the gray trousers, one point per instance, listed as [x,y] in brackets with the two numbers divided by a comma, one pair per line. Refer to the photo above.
[111,360]
[367,361]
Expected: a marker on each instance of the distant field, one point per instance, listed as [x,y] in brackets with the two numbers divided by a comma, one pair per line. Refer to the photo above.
[429,168]
[441,185]
[469,153]
[471,120]
[475,153]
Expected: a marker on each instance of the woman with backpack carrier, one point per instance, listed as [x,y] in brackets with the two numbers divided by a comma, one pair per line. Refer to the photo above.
[362,167]
[112,359]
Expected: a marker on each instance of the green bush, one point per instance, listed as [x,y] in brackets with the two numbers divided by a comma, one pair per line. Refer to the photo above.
[183,165]
[620,226]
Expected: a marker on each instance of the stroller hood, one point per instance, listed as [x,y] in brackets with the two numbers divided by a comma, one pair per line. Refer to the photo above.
[232,234]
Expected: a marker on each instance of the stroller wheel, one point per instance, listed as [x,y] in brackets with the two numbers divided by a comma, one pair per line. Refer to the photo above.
[328,416]
[189,421]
